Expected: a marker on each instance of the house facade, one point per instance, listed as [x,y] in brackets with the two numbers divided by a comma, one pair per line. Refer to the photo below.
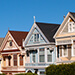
[40,47]
[65,40]
[13,54]
[1,40]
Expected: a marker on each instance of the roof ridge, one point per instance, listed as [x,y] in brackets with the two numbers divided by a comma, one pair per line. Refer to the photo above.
[16,31]
[47,23]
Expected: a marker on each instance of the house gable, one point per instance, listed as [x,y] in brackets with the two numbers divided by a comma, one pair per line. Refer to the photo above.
[35,36]
[9,43]
[66,27]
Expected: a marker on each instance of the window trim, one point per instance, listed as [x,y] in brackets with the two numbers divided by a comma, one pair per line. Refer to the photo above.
[32,58]
[10,43]
[37,40]
[42,54]
[63,52]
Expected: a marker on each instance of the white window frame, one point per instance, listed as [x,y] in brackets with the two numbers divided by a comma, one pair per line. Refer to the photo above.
[37,39]
[32,58]
[42,54]
[72,25]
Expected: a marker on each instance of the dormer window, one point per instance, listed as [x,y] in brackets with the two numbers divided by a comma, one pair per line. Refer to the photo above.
[36,37]
[71,26]
[10,43]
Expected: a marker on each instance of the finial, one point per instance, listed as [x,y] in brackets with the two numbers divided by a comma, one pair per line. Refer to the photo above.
[8,28]
[34,18]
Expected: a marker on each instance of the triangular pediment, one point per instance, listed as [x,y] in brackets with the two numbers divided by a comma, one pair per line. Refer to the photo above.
[35,36]
[66,27]
[9,43]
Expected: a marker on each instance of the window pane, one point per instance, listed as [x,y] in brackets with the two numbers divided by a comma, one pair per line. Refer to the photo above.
[33,58]
[21,60]
[37,37]
[49,58]
[15,59]
[10,43]
[42,58]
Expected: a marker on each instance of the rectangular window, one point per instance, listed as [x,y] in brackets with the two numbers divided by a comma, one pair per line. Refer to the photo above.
[34,58]
[65,52]
[10,43]
[15,59]
[41,55]
[49,56]
[36,37]
[21,61]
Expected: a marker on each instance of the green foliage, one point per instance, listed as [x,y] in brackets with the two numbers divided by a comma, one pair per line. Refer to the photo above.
[2,74]
[62,69]
[26,74]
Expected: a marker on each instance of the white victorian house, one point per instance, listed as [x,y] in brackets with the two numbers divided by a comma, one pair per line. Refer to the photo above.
[40,47]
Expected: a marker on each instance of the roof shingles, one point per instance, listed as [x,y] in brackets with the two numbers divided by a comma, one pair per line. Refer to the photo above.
[19,36]
[48,30]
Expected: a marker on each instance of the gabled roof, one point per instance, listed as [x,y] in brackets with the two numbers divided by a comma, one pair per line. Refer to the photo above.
[19,36]
[1,40]
[73,14]
[48,30]
[69,15]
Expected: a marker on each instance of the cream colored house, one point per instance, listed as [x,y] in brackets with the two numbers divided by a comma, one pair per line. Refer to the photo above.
[13,54]
[65,40]
[1,40]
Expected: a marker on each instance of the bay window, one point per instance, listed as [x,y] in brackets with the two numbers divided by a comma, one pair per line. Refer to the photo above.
[65,50]
[41,55]
[49,56]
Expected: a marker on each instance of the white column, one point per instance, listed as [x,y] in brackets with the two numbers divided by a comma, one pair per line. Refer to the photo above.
[72,50]
[24,60]
[18,61]
[38,73]
[45,54]
[7,61]
[38,55]
[2,63]
[56,52]
[11,60]
[71,47]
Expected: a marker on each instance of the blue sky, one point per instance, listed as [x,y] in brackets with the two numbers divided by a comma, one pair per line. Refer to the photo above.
[18,14]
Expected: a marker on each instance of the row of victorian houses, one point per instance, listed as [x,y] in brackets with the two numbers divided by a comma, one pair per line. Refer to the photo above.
[43,45]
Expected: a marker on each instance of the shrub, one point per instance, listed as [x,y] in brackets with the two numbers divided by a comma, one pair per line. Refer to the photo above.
[2,74]
[26,74]
[62,69]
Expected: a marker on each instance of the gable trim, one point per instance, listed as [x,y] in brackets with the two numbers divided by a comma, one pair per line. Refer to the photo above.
[5,41]
[68,15]
[30,32]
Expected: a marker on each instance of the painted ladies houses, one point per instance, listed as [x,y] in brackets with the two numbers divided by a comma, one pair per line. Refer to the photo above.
[65,40]
[1,40]
[40,47]
[13,54]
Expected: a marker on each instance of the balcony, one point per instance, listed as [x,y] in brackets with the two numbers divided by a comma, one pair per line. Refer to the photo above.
[37,65]
[13,68]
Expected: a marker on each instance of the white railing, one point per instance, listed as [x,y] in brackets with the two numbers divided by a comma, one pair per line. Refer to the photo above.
[13,68]
[37,64]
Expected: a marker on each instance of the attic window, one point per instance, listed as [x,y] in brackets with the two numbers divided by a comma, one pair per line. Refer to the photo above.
[36,37]
[71,26]
[10,43]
